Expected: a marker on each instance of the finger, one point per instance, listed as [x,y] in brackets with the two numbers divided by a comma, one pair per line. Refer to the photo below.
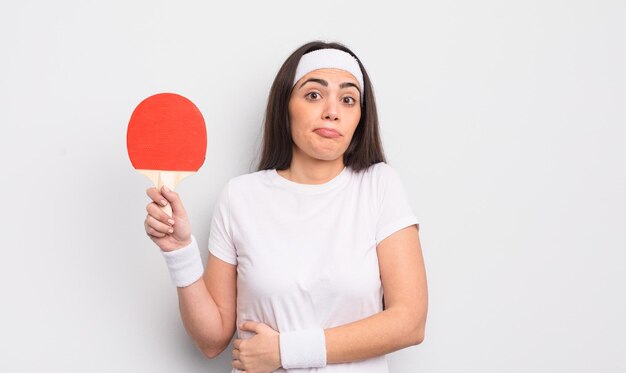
[174,199]
[250,326]
[159,226]
[157,213]
[156,196]
[151,232]
[235,354]
[237,364]
[237,343]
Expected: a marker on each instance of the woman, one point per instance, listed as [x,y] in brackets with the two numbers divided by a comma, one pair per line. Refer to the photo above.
[301,250]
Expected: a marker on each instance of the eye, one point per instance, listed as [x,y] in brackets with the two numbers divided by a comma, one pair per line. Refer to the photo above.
[348,100]
[313,96]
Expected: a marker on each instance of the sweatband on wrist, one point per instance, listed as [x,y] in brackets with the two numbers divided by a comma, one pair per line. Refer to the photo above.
[303,349]
[184,264]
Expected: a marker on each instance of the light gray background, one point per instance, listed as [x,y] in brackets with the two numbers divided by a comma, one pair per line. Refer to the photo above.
[505,120]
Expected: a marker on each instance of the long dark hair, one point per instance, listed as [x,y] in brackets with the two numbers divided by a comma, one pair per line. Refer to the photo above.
[364,150]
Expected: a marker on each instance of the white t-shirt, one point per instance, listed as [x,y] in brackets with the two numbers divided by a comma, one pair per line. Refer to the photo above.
[306,253]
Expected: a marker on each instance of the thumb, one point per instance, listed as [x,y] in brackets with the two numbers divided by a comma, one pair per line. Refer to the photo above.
[249,326]
[174,200]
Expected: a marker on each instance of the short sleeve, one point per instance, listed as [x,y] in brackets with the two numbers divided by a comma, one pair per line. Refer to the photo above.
[394,210]
[220,236]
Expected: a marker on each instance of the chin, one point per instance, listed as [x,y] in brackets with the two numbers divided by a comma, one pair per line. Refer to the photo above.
[328,157]
[322,154]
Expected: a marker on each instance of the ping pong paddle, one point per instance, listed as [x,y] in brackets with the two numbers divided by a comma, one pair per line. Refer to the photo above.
[166,140]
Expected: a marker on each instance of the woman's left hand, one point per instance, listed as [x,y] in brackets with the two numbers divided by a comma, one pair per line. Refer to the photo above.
[259,354]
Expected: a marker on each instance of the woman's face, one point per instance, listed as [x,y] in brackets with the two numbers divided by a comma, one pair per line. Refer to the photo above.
[324,111]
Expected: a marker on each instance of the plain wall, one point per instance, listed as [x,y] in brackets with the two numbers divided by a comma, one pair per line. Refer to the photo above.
[505,120]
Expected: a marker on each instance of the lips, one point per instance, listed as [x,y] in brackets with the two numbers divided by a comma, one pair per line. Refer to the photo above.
[327,132]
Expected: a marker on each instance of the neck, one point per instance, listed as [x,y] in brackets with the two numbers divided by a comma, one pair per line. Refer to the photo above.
[312,171]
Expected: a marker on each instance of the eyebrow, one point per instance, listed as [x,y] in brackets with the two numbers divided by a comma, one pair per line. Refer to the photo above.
[325,83]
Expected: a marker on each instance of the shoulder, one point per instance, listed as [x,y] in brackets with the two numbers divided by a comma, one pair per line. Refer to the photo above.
[249,181]
[380,172]
[382,168]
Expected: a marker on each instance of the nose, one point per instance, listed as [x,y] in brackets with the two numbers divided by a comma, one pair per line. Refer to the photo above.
[330,111]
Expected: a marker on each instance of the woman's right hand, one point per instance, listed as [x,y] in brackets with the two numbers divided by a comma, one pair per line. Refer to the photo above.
[168,233]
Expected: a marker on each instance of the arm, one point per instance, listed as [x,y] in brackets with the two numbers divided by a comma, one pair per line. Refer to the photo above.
[208,307]
[402,323]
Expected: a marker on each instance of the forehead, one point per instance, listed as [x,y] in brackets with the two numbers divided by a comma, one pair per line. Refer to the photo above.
[333,76]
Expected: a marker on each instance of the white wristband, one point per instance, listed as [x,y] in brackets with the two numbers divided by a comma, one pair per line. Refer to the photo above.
[184,264]
[303,349]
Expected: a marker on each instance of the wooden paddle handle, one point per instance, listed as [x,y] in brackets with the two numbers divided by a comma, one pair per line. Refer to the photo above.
[167,178]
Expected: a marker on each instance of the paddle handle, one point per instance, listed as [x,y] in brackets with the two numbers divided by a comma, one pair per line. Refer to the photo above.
[167,178]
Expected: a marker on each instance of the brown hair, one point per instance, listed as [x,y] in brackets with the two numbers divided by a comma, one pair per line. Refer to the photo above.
[364,150]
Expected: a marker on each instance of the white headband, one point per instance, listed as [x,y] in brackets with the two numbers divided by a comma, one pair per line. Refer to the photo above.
[329,58]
